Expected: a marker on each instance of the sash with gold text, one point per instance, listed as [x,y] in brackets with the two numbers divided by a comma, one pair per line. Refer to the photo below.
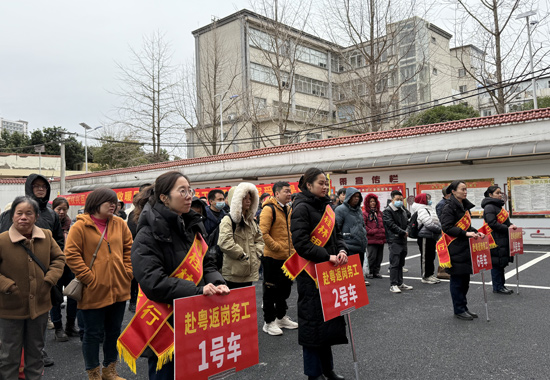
[320,235]
[442,245]
[149,327]
[485,229]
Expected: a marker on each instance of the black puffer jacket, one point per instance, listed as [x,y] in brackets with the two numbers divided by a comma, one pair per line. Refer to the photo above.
[459,249]
[396,221]
[47,219]
[307,211]
[500,256]
[162,242]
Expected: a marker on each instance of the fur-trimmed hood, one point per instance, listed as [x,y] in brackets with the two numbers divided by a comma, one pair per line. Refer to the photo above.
[235,198]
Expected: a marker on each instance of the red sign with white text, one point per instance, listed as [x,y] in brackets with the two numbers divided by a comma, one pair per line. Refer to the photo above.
[127,195]
[480,254]
[215,334]
[516,241]
[342,288]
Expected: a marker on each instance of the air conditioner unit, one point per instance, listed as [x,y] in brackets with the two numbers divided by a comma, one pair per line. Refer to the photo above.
[232,117]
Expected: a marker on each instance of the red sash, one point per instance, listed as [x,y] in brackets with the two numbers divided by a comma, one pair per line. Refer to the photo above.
[442,245]
[486,230]
[320,235]
[149,327]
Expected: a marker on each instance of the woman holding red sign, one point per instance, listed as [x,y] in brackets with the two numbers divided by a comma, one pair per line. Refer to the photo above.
[311,211]
[453,248]
[497,223]
[168,242]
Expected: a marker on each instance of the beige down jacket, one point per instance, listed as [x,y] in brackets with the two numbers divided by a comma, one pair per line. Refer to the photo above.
[243,248]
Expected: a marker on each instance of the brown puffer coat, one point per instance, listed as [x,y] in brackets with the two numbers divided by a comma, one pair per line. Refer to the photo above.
[32,297]
[276,234]
[109,279]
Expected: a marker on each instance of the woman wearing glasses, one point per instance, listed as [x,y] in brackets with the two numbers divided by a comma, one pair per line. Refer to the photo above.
[107,282]
[167,229]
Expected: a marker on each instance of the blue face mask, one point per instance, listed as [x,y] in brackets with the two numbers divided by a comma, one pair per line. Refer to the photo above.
[398,204]
[429,202]
[220,205]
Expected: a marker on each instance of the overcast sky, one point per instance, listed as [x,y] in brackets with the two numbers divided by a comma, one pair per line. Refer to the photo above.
[57,58]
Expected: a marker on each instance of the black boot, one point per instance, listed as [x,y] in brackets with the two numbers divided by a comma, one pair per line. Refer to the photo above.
[70,328]
[59,334]
[331,375]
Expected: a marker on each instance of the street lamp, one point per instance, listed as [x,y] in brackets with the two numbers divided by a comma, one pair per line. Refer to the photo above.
[86,127]
[221,114]
[526,15]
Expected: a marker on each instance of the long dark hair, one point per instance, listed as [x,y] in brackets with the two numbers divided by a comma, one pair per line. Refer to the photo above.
[490,190]
[151,194]
[309,177]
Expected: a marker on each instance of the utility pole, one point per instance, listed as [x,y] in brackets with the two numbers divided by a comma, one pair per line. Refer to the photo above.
[62,144]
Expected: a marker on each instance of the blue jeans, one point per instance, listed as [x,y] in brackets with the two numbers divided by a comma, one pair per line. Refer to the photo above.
[101,326]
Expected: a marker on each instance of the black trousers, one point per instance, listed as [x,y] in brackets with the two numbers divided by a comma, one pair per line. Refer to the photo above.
[236,285]
[375,255]
[398,252]
[276,289]
[427,256]
[317,360]
[459,285]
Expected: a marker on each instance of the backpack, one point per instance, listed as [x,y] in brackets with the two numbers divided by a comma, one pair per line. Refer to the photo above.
[413,226]
[273,213]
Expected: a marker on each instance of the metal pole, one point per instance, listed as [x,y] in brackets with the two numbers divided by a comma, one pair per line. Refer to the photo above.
[221,121]
[86,147]
[517,275]
[355,364]
[39,162]
[485,295]
[534,81]
[62,168]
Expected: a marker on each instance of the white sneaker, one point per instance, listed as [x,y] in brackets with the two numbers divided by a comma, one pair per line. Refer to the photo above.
[395,289]
[427,280]
[272,328]
[433,277]
[405,270]
[405,287]
[286,323]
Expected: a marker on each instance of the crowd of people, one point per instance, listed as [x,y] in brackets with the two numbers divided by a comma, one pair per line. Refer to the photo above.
[242,238]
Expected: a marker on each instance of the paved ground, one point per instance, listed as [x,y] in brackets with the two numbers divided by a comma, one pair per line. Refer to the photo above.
[411,335]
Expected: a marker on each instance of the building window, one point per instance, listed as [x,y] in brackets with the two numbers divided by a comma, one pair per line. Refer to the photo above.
[312,56]
[256,137]
[356,60]
[310,86]
[486,112]
[461,73]
[313,136]
[290,137]
[266,75]
[346,113]
[463,89]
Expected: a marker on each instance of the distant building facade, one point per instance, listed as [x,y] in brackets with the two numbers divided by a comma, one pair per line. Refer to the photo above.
[278,85]
[13,126]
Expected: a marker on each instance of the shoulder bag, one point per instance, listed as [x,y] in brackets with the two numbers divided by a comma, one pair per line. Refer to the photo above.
[55,293]
[75,287]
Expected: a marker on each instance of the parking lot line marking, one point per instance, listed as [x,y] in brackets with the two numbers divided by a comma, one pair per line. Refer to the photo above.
[479,283]
[406,258]
[512,271]
[534,252]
